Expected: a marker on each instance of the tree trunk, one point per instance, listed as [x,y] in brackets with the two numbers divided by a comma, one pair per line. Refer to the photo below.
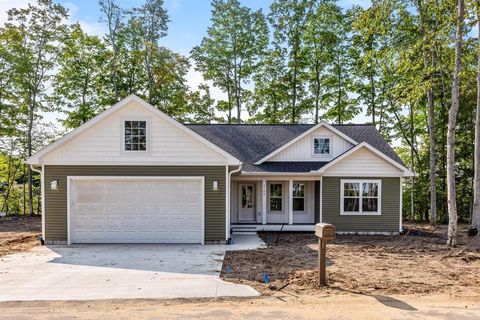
[294,95]
[229,98]
[452,121]
[475,222]
[431,116]
[412,160]
[29,150]
[433,165]
[372,96]
[317,91]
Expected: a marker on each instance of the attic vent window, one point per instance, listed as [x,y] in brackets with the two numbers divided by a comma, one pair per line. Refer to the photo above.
[135,135]
[321,146]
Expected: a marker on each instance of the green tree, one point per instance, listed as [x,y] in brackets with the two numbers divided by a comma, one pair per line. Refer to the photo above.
[113,16]
[149,22]
[339,82]
[321,39]
[38,31]
[79,87]
[289,19]
[231,51]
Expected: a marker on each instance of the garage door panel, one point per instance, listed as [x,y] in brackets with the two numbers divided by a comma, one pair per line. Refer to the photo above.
[136,211]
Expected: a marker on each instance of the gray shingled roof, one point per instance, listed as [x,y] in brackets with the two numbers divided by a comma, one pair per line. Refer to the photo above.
[250,143]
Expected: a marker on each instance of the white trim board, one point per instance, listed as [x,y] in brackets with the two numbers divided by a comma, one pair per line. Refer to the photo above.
[37,157]
[116,178]
[312,129]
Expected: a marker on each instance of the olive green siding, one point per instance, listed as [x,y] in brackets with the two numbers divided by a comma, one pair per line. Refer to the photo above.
[388,221]
[56,200]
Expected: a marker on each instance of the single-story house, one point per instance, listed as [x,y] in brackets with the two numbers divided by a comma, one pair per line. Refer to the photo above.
[133,174]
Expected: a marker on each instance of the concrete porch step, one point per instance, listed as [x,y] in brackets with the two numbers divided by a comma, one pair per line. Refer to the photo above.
[244,230]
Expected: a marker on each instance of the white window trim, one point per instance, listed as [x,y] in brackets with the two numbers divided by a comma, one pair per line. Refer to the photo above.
[276,197]
[361,213]
[329,154]
[148,136]
[304,197]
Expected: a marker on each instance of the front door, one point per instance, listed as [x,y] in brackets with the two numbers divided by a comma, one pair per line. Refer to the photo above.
[246,211]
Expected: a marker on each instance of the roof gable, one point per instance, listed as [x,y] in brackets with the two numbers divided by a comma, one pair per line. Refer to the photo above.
[106,131]
[366,159]
[303,135]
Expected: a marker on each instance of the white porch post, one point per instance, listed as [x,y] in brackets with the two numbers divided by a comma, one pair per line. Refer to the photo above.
[321,199]
[264,201]
[290,201]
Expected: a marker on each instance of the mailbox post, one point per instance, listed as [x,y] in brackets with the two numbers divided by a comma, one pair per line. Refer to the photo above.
[324,232]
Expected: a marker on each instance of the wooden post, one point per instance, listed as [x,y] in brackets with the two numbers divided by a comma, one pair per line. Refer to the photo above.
[322,261]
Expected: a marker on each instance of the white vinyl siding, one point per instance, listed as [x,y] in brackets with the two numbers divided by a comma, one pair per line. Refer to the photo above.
[363,162]
[103,143]
[302,150]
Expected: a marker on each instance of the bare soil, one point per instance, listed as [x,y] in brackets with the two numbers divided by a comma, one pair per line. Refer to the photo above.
[280,306]
[416,263]
[19,234]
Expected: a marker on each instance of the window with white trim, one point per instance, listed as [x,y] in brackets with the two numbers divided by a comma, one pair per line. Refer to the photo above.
[298,197]
[276,198]
[321,146]
[360,197]
[135,135]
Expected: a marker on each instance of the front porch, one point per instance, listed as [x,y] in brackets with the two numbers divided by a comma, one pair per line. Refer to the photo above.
[275,203]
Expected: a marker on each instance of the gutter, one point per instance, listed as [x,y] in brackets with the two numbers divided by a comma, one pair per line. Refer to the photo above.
[32,166]
[239,169]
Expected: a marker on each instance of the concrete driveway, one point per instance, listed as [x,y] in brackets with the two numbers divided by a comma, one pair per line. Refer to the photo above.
[91,272]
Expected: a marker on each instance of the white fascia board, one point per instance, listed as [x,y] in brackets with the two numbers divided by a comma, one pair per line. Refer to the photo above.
[312,129]
[37,157]
[287,174]
[405,171]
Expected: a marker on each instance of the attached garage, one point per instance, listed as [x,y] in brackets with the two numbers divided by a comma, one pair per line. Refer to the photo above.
[135,209]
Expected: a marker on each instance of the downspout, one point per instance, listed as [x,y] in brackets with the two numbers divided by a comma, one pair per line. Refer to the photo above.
[41,172]
[229,180]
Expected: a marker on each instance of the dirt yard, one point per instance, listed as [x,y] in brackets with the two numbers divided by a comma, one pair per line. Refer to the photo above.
[280,306]
[19,234]
[418,264]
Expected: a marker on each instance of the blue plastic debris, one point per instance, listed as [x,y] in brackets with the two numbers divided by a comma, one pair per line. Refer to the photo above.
[266,278]
[229,269]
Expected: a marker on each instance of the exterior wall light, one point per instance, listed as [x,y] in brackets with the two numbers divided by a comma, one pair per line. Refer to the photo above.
[54,184]
[215,185]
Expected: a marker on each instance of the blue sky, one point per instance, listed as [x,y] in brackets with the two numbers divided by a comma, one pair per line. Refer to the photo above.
[189,22]
[189,18]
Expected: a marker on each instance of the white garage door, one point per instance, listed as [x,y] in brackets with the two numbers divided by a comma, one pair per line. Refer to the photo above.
[136,210]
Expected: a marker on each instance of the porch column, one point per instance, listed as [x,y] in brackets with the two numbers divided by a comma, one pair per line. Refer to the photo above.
[290,201]
[264,201]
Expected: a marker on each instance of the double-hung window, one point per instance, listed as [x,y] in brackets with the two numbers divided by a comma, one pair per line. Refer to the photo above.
[321,146]
[360,197]
[135,135]
[276,197]
[298,197]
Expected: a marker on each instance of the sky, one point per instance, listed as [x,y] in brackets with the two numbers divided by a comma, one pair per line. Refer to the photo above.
[189,22]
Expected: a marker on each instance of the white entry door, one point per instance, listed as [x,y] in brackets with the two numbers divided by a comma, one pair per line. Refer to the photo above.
[246,210]
[136,210]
